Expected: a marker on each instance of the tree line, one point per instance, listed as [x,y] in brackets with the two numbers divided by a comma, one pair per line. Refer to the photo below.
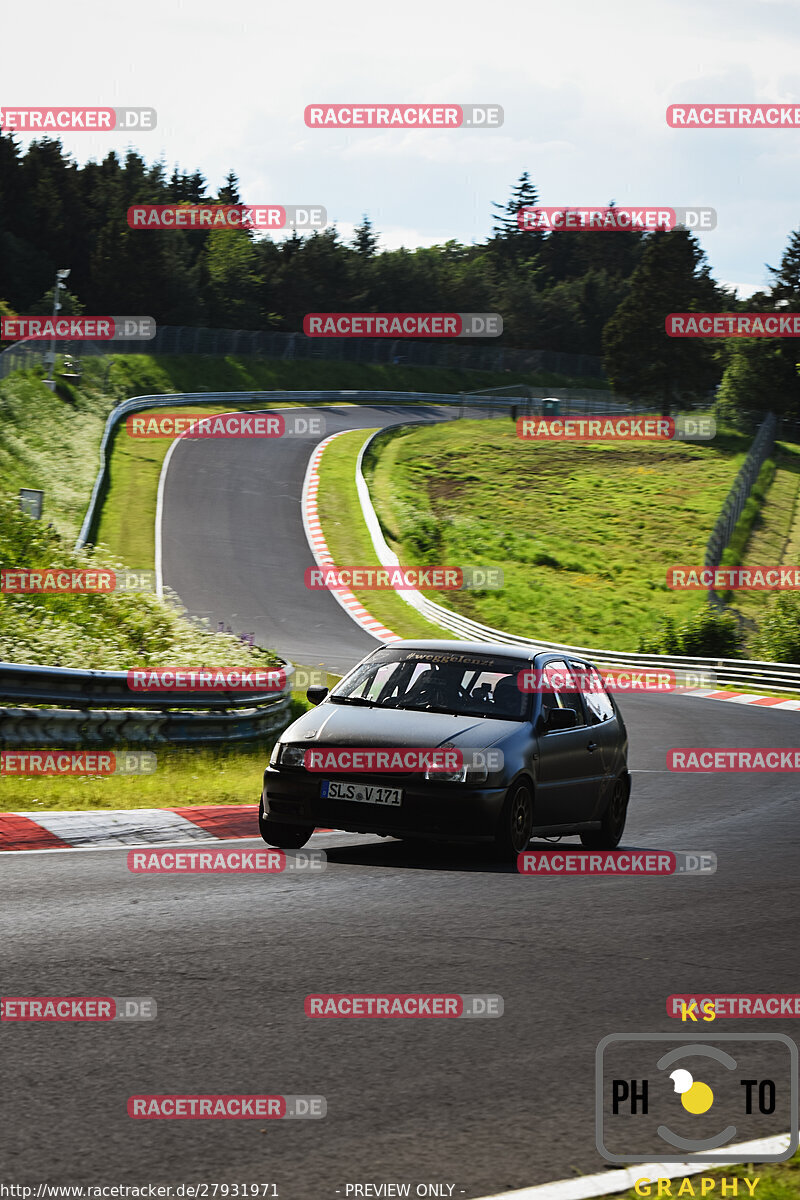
[604,294]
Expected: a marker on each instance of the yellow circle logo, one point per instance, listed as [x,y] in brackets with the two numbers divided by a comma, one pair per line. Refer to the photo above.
[698,1099]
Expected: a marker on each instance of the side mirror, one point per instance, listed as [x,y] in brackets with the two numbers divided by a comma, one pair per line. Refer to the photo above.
[315,695]
[560,718]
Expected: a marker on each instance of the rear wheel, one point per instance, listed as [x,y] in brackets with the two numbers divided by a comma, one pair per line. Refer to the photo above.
[609,835]
[516,822]
[277,833]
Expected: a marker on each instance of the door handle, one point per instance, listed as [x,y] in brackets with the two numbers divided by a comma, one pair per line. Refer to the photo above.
[592,746]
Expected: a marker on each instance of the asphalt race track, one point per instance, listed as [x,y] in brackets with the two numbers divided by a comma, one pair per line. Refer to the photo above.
[234,546]
[486,1105]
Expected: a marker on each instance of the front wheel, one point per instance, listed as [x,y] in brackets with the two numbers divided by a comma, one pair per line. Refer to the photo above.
[277,833]
[609,835]
[516,822]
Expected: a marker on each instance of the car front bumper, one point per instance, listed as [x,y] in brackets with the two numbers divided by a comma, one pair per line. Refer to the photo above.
[449,810]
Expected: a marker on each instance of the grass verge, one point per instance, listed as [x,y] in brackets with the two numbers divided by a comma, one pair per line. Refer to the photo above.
[583,532]
[183,777]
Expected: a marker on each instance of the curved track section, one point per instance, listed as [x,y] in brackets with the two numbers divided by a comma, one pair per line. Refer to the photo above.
[234,547]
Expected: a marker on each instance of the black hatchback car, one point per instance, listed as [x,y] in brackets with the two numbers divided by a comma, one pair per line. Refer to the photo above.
[522,742]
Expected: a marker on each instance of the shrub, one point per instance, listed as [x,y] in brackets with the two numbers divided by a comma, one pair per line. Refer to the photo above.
[778,637]
[708,633]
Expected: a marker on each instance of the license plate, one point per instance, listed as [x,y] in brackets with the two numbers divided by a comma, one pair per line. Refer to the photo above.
[364,793]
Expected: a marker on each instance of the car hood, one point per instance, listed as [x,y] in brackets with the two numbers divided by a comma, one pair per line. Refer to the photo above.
[344,725]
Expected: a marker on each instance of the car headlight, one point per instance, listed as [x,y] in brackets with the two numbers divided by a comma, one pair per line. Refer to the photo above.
[476,766]
[465,774]
[287,754]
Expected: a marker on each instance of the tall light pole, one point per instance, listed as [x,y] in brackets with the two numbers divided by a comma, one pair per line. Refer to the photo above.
[50,359]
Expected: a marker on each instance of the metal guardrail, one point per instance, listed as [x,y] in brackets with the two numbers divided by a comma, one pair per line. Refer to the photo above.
[525,400]
[64,729]
[100,709]
[719,672]
[86,689]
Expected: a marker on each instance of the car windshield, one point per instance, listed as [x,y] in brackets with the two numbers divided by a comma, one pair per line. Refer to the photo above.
[437,681]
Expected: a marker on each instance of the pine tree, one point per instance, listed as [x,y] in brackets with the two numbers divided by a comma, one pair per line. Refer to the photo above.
[229,192]
[365,241]
[524,195]
[786,277]
[641,359]
[510,243]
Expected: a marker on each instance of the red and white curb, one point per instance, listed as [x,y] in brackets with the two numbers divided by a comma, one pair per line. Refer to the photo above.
[98,828]
[322,555]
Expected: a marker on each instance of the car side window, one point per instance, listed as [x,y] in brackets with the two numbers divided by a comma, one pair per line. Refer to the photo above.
[598,705]
[561,679]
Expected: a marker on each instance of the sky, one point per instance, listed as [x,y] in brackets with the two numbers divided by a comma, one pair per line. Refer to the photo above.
[584,87]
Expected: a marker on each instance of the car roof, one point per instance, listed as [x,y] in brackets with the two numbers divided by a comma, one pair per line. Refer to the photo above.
[528,653]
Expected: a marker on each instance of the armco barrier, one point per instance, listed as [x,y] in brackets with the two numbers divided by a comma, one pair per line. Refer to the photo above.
[99,709]
[726,672]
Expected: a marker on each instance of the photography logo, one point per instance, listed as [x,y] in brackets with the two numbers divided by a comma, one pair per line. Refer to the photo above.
[668,1099]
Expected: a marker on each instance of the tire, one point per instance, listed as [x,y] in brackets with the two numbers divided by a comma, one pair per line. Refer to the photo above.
[514,829]
[609,835]
[281,835]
